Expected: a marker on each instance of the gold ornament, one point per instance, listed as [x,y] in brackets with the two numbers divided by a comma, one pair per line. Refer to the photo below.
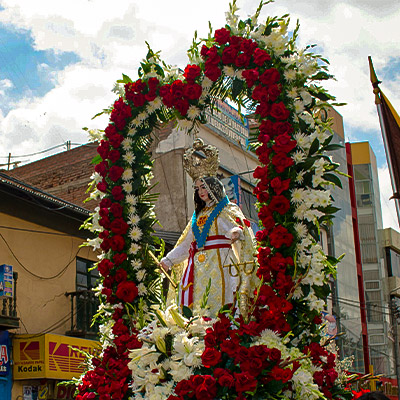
[198,167]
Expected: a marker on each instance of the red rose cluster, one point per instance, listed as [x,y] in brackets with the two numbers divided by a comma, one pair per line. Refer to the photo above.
[230,365]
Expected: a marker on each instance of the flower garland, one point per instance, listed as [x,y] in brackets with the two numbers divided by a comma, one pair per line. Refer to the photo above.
[278,351]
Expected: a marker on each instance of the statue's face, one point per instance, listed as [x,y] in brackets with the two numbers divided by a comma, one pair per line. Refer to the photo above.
[201,189]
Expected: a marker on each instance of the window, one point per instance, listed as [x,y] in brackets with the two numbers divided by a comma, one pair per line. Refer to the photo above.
[86,301]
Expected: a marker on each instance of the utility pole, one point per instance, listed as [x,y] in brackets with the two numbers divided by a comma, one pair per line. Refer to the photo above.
[9,161]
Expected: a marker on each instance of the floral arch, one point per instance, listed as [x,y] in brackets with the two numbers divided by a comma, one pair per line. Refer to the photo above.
[278,351]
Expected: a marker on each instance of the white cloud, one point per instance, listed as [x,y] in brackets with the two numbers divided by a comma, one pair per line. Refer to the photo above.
[5,84]
[389,216]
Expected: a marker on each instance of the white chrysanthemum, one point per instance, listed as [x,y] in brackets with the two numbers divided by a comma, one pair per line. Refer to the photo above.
[207,83]
[131,209]
[292,93]
[127,187]
[154,105]
[193,112]
[290,74]
[179,371]
[299,212]
[229,71]
[127,143]
[302,140]
[297,195]
[133,219]
[127,175]
[300,177]
[132,131]
[129,157]
[300,229]
[140,275]
[298,157]
[142,117]
[142,290]
[298,293]
[131,199]
[183,124]
[134,248]
[135,233]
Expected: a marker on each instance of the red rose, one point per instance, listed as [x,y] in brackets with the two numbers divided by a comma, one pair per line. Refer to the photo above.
[115,172]
[263,109]
[177,88]
[260,172]
[121,275]
[279,185]
[212,72]
[274,91]
[191,72]
[105,266]
[168,100]
[281,128]
[212,56]
[102,186]
[204,51]
[235,40]
[260,56]
[138,99]
[244,382]
[278,203]
[229,54]
[280,236]
[164,90]
[226,380]
[251,76]
[284,144]
[110,130]
[102,168]
[117,243]
[104,148]
[207,390]
[116,140]
[105,203]
[267,127]
[281,162]
[117,193]
[150,96]
[222,35]
[252,365]
[153,84]
[248,46]
[229,347]
[184,387]
[242,60]
[280,374]
[182,106]
[104,222]
[105,244]
[262,235]
[116,210]
[275,355]
[279,111]
[192,91]
[270,76]
[127,291]
[210,357]
[119,226]
[114,156]
[119,258]
[260,93]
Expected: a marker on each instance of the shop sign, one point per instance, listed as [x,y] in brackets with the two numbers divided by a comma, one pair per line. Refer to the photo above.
[50,356]
[6,281]
[4,353]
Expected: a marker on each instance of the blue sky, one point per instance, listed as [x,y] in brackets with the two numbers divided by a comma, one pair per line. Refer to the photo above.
[59,60]
[31,72]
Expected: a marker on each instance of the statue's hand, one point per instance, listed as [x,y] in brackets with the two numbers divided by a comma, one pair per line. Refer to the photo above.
[164,266]
[235,236]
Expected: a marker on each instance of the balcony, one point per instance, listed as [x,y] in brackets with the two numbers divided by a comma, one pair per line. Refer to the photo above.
[8,309]
[84,304]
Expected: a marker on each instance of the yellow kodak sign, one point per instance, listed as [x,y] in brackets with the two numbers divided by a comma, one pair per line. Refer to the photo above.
[50,356]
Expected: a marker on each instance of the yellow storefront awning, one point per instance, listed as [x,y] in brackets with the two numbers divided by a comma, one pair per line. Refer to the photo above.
[50,356]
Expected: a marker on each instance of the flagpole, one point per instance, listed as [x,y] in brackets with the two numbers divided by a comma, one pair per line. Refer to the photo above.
[375,83]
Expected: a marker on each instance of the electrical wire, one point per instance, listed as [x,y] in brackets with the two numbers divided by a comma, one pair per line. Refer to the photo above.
[32,273]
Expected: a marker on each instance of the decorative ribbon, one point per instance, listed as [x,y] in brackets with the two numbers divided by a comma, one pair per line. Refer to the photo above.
[186,284]
[201,237]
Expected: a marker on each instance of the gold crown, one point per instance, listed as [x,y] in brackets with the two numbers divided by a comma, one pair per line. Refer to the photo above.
[198,167]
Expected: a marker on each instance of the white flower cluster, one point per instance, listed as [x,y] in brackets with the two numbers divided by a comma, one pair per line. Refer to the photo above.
[172,348]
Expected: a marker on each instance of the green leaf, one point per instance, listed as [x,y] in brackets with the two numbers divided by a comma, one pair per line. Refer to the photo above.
[125,79]
[187,312]
[333,146]
[321,76]
[334,179]
[96,160]
[314,147]
[331,210]
[237,87]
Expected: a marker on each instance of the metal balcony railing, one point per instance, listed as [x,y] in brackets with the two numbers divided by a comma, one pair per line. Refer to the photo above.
[8,309]
[84,304]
